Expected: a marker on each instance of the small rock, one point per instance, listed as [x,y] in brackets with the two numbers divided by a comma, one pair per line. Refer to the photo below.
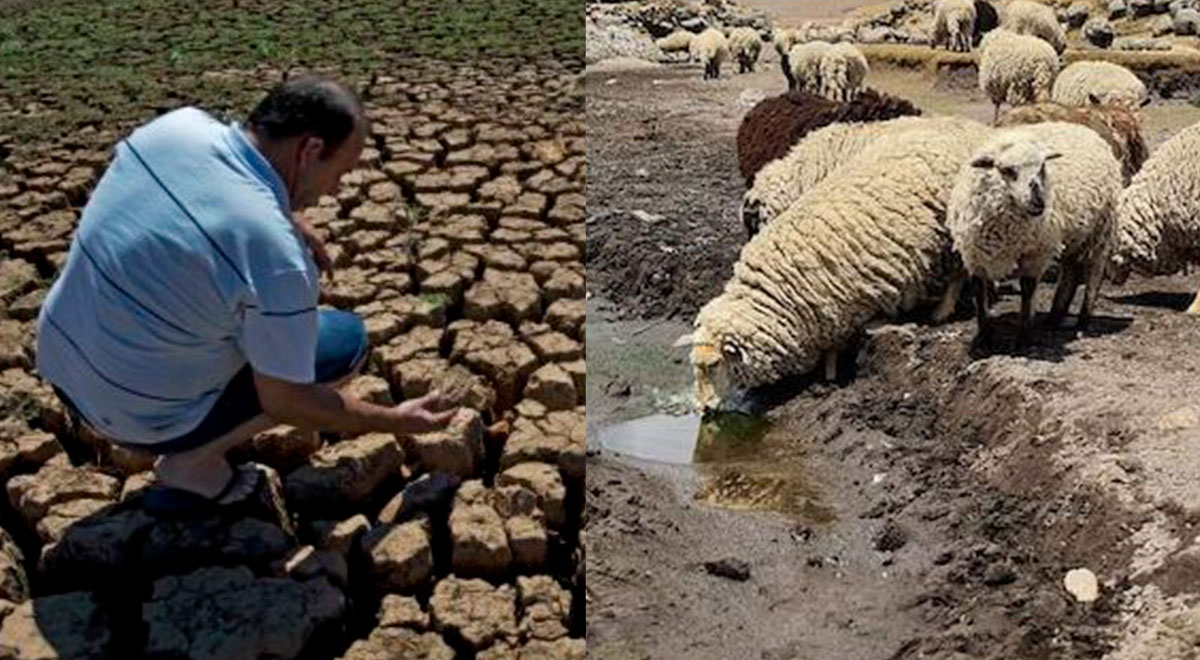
[543,480]
[308,562]
[402,612]
[547,607]
[552,386]
[999,574]
[647,217]
[343,536]
[729,568]
[1081,583]
[1077,14]
[474,610]
[891,538]
[228,613]
[478,539]
[1098,32]
[401,556]
[1117,9]
[456,450]
[399,644]
[1187,22]
[70,626]
[1161,26]
[344,474]
[429,491]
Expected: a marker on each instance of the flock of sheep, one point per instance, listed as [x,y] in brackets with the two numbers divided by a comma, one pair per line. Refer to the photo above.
[859,207]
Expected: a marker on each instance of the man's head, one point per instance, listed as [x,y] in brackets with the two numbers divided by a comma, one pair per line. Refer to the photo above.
[312,130]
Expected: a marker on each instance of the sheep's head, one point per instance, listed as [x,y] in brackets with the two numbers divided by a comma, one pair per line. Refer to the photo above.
[715,362]
[751,213]
[1019,169]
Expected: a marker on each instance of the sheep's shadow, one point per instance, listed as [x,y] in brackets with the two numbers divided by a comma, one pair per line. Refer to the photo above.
[1174,300]
[1045,344]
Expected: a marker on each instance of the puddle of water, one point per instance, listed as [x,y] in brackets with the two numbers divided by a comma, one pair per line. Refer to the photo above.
[661,438]
[742,466]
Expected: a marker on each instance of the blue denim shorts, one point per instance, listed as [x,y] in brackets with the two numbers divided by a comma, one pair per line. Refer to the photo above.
[342,348]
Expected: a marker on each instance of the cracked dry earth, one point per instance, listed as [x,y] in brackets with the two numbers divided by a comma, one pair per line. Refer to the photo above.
[459,238]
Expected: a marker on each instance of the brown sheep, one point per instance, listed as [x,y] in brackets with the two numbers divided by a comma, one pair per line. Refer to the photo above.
[777,123]
[1118,126]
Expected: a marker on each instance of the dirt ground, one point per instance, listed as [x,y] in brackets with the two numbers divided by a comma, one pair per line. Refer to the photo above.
[927,509]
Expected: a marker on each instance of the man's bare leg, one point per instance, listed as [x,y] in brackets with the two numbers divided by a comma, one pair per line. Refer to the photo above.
[205,470]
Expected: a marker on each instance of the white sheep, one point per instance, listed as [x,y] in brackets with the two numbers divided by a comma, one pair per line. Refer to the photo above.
[1036,20]
[678,41]
[1016,69]
[1029,196]
[783,181]
[843,68]
[954,24]
[784,40]
[711,49]
[868,241]
[805,61]
[1093,82]
[1158,215]
[745,45]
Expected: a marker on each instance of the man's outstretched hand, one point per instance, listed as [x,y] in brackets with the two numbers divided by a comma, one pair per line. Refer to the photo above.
[428,413]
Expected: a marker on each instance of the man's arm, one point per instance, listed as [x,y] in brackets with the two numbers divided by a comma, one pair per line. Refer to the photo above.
[321,407]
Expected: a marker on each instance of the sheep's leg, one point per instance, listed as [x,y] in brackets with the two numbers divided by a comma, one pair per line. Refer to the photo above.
[996,115]
[981,310]
[831,360]
[1068,282]
[1093,276]
[945,308]
[1028,287]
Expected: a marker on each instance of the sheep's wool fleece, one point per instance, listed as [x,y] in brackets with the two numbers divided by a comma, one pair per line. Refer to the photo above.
[1015,68]
[1037,20]
[1112,84]
[678,40]
[1118,125]
[843,68]
[954,21]
[708,45]
[781,182]
[805,60]
[996,239]
[785,39]
[745,40]
[868,241]
[1158,216]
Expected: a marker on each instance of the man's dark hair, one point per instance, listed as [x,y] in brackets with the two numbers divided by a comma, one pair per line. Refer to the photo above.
[308,104]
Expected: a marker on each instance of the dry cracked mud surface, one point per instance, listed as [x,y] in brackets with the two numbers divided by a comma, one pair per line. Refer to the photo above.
[459,238]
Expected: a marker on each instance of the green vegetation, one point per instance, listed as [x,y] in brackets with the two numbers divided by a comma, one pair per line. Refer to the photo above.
[89,62]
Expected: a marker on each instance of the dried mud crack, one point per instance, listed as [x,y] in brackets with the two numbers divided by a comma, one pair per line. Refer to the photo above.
[459,239]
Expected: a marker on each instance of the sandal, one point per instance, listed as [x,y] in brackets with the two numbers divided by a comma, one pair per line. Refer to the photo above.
[164,501]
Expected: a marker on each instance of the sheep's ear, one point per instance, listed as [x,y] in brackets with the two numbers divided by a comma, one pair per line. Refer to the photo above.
[684,341]
[1052,155]
[983,162]
[1093,99]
